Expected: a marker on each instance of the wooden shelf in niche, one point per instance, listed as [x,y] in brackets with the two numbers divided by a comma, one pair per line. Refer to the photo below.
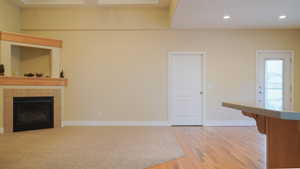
[32,81]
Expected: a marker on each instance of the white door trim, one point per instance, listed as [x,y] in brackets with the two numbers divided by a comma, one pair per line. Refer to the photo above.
[170,87]
[292,55]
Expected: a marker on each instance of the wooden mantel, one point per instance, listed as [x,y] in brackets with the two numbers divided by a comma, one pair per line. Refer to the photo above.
[32,81]
[27,39]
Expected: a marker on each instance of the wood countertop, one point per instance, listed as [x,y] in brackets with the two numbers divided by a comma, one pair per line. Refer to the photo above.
[282,130]
[279,114]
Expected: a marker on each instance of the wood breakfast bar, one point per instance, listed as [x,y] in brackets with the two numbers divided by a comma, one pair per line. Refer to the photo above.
[282,129]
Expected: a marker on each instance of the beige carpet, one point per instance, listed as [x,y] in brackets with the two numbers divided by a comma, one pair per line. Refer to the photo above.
[88,148]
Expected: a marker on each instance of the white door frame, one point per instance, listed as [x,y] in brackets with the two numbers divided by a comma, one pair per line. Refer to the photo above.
[170,86]
[292,54]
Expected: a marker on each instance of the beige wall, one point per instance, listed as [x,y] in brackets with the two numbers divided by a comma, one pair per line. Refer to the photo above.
[122,75]
[117,66]
[9,16]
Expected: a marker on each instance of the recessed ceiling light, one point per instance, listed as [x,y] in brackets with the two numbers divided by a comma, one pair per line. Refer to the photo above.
[282,17]
[226,17]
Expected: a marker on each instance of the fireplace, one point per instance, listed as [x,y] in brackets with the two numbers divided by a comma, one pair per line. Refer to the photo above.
[30,113]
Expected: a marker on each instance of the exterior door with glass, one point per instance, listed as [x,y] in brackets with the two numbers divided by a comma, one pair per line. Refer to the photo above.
[274,89]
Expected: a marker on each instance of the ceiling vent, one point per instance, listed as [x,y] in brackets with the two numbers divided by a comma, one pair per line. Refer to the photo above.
[53,2]
[128,2]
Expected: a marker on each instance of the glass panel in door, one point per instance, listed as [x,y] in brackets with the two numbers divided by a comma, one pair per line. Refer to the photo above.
[274,84]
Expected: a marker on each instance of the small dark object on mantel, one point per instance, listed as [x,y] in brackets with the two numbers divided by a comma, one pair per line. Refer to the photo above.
[62,74]
[39,74]
[2,70]
[28,74]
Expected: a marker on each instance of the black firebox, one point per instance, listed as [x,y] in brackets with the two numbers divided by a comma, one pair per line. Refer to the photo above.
[32,113]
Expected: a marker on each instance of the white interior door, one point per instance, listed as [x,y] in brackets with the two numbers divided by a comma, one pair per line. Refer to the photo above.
[185,88]
[274,79]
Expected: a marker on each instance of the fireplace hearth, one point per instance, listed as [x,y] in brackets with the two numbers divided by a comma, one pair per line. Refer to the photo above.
[31,113]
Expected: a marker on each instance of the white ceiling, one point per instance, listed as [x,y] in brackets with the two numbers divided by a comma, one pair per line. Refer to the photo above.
[59,3]
[194,14]
[244,13]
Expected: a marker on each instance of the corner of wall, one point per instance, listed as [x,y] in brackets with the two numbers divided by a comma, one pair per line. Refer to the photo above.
[172,9]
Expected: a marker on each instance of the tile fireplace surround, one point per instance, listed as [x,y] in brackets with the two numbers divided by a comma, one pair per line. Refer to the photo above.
[9,93]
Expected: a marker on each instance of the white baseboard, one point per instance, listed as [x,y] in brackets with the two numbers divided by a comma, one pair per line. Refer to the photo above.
[116,123]
[231,123]
[1,130]
[154,123]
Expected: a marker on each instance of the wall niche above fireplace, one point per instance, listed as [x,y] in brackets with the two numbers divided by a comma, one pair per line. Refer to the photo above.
[31,113]
[22,54]
[30,60]
[39,58]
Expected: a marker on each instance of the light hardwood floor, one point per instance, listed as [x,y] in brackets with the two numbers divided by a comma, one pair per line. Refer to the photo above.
[218,148]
